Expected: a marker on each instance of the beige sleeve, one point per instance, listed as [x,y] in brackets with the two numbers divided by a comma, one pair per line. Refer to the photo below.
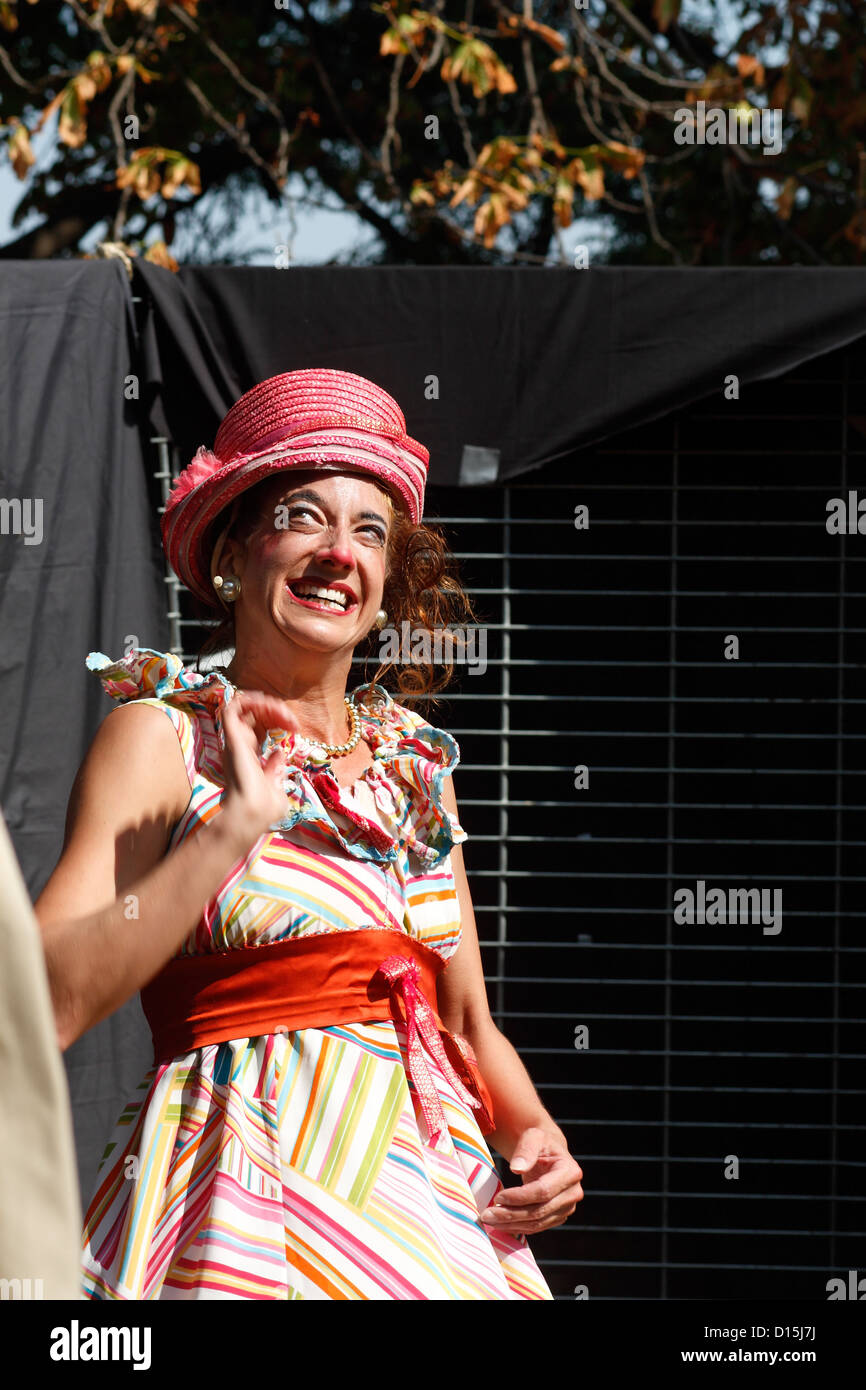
[40,1212]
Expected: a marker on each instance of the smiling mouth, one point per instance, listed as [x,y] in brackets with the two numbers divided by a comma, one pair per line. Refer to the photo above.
[321,597]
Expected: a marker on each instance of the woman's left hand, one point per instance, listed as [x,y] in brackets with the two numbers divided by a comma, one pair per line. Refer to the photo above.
[551,1188]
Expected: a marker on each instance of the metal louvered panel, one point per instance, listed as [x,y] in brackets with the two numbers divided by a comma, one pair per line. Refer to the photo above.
[605,648]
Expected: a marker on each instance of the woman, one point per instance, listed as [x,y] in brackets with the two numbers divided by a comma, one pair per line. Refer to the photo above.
[276,867]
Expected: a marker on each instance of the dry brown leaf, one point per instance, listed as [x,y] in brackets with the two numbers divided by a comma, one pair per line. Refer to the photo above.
[49,110]
[159,254]
[545,32]
[749,66]
[140,173]
[20,150]
[72,127]
[145,181]
[490,217]
[85,87]
[180,172]
[408,27]
[589,177]
[563,202]
[443,183]
[470,188]
[627,160]
[514,197]
[504,80]
[391,42]
[498,154]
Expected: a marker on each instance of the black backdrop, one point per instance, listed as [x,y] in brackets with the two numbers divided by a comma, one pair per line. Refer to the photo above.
[530,365]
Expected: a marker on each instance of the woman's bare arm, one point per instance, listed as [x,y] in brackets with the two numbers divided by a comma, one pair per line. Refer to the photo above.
[526,1134]
[463,1008]
[116,908]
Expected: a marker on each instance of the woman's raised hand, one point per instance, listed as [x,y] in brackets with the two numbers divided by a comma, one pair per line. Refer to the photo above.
[254,795]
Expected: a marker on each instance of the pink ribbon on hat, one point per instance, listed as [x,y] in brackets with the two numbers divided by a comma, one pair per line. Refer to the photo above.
[403,975]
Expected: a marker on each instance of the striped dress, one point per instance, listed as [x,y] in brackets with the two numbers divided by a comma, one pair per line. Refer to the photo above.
[299,1164]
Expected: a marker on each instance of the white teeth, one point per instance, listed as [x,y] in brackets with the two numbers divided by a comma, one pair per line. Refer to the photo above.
[335,596]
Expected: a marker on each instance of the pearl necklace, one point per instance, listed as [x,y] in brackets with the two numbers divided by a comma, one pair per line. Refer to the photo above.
[338,750]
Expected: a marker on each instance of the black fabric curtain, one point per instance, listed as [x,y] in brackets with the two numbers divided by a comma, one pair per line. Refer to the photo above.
[72,453]
[497,370]
[86,578]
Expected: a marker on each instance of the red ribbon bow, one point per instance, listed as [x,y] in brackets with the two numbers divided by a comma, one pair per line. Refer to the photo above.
[403,975]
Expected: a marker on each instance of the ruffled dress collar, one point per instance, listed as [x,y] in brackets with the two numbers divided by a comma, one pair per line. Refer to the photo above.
[411,760]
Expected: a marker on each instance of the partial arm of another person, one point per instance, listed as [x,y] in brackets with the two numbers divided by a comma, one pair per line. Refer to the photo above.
[130,791]
[526,1134]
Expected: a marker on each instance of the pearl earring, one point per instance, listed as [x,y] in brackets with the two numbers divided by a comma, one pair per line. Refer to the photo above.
[380,620]
[229,588]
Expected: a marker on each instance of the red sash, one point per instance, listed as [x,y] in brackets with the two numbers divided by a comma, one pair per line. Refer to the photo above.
[316,982]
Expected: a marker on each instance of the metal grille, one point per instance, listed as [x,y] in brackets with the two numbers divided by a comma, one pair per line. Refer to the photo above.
[606,648]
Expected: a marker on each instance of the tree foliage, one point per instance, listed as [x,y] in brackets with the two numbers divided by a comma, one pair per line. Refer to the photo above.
[467,133]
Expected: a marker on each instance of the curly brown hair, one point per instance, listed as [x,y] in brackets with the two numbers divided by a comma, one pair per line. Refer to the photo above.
[422,588]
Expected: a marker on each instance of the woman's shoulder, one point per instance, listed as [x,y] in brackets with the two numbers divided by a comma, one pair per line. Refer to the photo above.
[135,733]
[134,761]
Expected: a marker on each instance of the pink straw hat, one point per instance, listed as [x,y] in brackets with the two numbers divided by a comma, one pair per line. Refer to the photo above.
[315,418]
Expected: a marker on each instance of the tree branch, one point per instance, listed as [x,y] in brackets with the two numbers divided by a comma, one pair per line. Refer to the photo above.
[124,87]
[312,27]
[240,137]
[391,136]
[651,218]
[97,24]
[282,158]
[19,81]
[649,38]
[679,82]
[538,121]
[457,108]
